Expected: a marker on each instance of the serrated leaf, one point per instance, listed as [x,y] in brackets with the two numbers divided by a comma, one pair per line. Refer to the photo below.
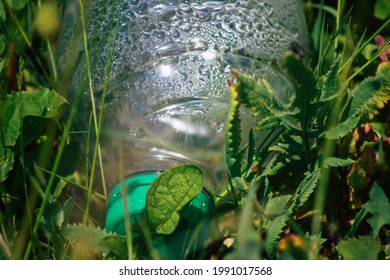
[379,207]
[274,229]
[363,248]
[289,144]
[114,247]
[233,134]
[306,187]
[342,128]
[168,194]
[268,123]
[276,206]
[370,96]
[75,233]
[338,162]
[51,222]
[261,99]
[84,239]
[331,83]
[306,88]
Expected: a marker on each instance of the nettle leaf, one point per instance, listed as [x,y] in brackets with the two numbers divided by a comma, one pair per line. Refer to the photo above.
[371,95]
[379,207]
[338,162]
[362,248]
[233,134]
[168,194]
[15,106]
[84,239]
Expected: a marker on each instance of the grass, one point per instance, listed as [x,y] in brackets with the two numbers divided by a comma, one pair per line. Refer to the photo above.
[333,149]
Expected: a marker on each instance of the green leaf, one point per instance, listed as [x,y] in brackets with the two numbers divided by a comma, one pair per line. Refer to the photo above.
[370,96]
[306,87]
[363,248]
[168,194]
[276,206]
[233,135]
[289,144]
[338,162]
[306,187]
[331,83]
[382,9]
[274,228]
[114,246]
[16,4]
[357,177]
[2,12]
[6,162]
[342,128]
[51,222]
[15,106]
[379,207]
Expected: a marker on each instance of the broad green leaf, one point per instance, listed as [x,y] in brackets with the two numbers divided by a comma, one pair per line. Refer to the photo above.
[382,9]
[16,4]
[233,134]
[379,207]
[306,188]
[342,128]
[16,106]
[168,194]
[40,103]
[338,162]
[363,248]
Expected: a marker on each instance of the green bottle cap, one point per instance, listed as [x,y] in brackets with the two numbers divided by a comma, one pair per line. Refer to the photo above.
[137,186]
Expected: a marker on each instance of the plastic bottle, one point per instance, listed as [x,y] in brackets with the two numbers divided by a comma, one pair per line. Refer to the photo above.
[167,93]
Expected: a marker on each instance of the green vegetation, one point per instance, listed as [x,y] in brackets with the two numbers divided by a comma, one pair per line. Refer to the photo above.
[316,188]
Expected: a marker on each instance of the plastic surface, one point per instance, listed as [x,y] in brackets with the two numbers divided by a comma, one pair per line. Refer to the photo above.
[169,247]
[167,90]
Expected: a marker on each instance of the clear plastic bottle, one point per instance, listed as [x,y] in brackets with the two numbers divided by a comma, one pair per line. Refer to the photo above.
[167,95]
